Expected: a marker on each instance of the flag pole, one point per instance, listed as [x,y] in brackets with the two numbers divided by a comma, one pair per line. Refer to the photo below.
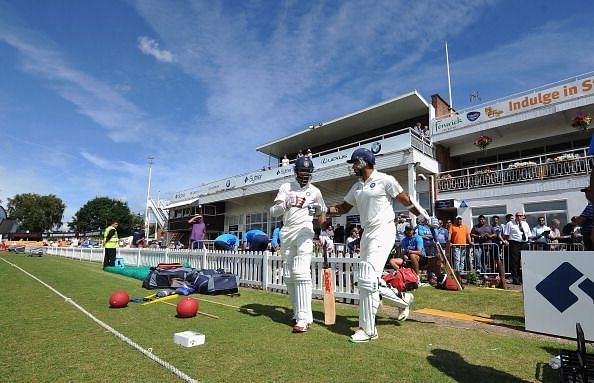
[449,80]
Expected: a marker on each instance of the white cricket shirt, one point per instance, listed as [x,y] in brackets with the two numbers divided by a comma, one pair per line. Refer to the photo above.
[296,216]
[373,199]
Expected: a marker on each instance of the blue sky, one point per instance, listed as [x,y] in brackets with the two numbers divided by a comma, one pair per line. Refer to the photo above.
[90,89]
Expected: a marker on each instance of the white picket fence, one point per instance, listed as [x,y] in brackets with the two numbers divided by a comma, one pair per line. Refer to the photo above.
[255,269]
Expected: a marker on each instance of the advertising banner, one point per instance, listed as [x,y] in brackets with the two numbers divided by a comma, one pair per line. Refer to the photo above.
[553,95]
[559,292]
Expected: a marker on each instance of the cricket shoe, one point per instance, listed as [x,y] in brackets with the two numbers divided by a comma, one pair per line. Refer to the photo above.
[300,326]
[405,312]
[393,295]
[361,337]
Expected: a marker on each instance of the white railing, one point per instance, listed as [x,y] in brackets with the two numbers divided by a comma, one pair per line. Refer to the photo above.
[255,269]
[158,211]
[528,169]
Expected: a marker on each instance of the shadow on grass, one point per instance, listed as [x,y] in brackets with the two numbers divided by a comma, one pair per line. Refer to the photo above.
[344,324]
[453,365]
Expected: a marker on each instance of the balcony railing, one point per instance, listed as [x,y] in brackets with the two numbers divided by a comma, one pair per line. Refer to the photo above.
[529,169]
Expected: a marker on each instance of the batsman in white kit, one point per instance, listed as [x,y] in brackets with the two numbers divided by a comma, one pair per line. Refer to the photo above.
[298,202]
[373,195]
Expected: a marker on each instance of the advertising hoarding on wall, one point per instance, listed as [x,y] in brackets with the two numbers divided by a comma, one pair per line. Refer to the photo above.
[558,292]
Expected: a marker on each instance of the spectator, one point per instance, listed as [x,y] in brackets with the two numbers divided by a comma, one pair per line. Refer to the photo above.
[226,242]
[418,130]
[110,244]
[352,241]
[256,240]
[555,234]
[285,161]
[508,218]
[300,153]
[339,233]
[198,232]
[568,231]
[138,237]
[326,237]
[585,218]
[276,241]
[482,235]
[498,240]
[401,224]
[411,249]
[516,232]
[425,232]
[540,235]
[308,153]
[459,240]
[441,234]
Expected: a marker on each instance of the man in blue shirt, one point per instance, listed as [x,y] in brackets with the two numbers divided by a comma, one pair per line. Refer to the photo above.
[425,232]
[411,248]
[256,240]
[226,242]
[276,242]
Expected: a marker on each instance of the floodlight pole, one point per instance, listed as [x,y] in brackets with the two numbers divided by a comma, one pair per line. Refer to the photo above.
[148,194]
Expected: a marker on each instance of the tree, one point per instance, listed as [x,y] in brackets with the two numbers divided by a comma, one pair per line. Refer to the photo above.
[36,212]
[99,213]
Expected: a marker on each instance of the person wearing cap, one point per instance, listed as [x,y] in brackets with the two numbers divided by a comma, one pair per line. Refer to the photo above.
[226,242]
[256,240]
[138,237]
[198,231]
[373,195]
[459,240]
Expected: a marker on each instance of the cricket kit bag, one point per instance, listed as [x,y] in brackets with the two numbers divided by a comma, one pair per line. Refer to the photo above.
[404,279]
[213,282]
[445,283]
[163,278]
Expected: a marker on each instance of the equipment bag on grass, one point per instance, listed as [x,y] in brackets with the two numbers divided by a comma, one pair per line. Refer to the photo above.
[215,282]
[163,278]
[404,279]
[445,283]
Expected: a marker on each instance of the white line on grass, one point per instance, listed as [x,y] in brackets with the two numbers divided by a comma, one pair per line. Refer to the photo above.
[146,352]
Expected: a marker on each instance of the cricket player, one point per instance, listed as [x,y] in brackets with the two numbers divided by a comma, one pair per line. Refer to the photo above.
[298,202]
[373,195]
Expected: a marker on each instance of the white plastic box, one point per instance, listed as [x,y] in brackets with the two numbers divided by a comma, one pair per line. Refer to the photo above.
[189,338]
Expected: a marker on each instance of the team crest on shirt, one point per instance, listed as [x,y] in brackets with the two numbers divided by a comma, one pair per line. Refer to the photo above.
[372,185]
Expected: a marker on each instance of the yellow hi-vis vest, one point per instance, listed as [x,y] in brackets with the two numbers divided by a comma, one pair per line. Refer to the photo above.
[113,241]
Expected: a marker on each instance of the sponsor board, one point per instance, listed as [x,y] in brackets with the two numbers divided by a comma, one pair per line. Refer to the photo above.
[558,292]
[550,96]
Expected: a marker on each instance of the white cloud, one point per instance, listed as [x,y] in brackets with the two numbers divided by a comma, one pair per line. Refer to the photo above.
[151,47]
[109,164]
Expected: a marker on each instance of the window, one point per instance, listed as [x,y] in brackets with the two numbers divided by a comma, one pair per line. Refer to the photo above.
[210,210]
[424,200]
[489,211]
[256,221]
[548,209]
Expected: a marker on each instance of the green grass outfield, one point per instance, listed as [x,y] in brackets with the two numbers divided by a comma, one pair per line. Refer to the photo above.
[45,339]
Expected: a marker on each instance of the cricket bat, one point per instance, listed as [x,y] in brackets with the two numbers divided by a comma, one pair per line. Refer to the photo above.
[501,270]
[329,300]
[448,268]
